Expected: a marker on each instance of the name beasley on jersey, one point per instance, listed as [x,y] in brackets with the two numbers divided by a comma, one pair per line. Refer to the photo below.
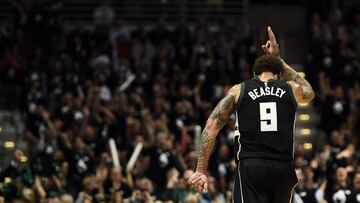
[260,92]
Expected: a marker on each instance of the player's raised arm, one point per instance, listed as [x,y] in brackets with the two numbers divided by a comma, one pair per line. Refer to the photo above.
[215,122]
[302,89]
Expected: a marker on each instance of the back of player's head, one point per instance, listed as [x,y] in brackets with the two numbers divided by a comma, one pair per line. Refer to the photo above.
[268,63]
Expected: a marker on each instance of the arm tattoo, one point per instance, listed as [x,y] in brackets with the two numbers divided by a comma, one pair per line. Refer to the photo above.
[308,92]
[223,110]
[216,121]
[290,74]
[206,146]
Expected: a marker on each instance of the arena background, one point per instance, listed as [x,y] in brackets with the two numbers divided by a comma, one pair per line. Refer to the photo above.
[75,74]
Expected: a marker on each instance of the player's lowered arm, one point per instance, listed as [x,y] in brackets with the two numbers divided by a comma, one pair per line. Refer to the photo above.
[301,87]
[216,121]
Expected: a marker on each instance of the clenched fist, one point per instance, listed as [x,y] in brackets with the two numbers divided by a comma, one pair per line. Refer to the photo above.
[199,181]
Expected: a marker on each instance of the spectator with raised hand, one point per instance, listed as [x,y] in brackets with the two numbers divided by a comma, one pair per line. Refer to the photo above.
[302,191]
[87,192]
[115,183]
[162,159]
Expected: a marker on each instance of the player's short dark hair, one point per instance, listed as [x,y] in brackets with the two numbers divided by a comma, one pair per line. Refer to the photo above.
[268,63]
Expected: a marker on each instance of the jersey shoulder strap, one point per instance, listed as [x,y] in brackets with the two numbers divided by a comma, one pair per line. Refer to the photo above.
[242,92]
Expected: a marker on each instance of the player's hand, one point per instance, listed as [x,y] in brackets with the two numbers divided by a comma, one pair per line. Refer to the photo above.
[199,181]
[271,47]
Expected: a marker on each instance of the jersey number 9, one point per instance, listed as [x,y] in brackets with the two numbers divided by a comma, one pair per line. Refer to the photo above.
[268,116]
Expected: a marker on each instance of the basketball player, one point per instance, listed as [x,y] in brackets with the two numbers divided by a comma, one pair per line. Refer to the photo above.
[265,107]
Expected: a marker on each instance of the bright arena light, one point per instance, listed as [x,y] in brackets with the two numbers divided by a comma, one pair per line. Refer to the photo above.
[304,117]
[307,146]
[9,144]
[302,74]
[23,158]
[7,180]
[305,131]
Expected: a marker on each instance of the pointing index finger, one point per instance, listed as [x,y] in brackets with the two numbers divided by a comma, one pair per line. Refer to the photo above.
[271,35]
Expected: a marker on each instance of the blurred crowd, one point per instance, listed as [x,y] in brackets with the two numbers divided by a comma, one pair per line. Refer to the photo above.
[149,85]
[155,85]
[330,172]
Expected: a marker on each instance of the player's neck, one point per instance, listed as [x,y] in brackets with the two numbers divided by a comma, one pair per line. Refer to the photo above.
[266,76]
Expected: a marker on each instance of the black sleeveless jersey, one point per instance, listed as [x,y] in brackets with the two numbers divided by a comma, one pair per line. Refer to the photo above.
[266,116]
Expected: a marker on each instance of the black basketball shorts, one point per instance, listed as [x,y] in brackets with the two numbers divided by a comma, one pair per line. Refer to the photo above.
[264,181]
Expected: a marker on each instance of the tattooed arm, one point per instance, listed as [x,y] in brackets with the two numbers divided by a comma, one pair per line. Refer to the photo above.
[302,89]
[215,122]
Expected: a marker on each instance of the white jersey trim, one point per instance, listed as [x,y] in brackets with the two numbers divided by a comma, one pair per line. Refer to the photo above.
[241,192]
[237,133]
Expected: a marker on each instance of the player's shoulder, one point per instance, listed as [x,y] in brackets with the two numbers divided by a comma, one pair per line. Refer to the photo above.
[235,89]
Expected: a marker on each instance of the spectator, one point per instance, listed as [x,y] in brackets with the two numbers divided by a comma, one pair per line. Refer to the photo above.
[104,14]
